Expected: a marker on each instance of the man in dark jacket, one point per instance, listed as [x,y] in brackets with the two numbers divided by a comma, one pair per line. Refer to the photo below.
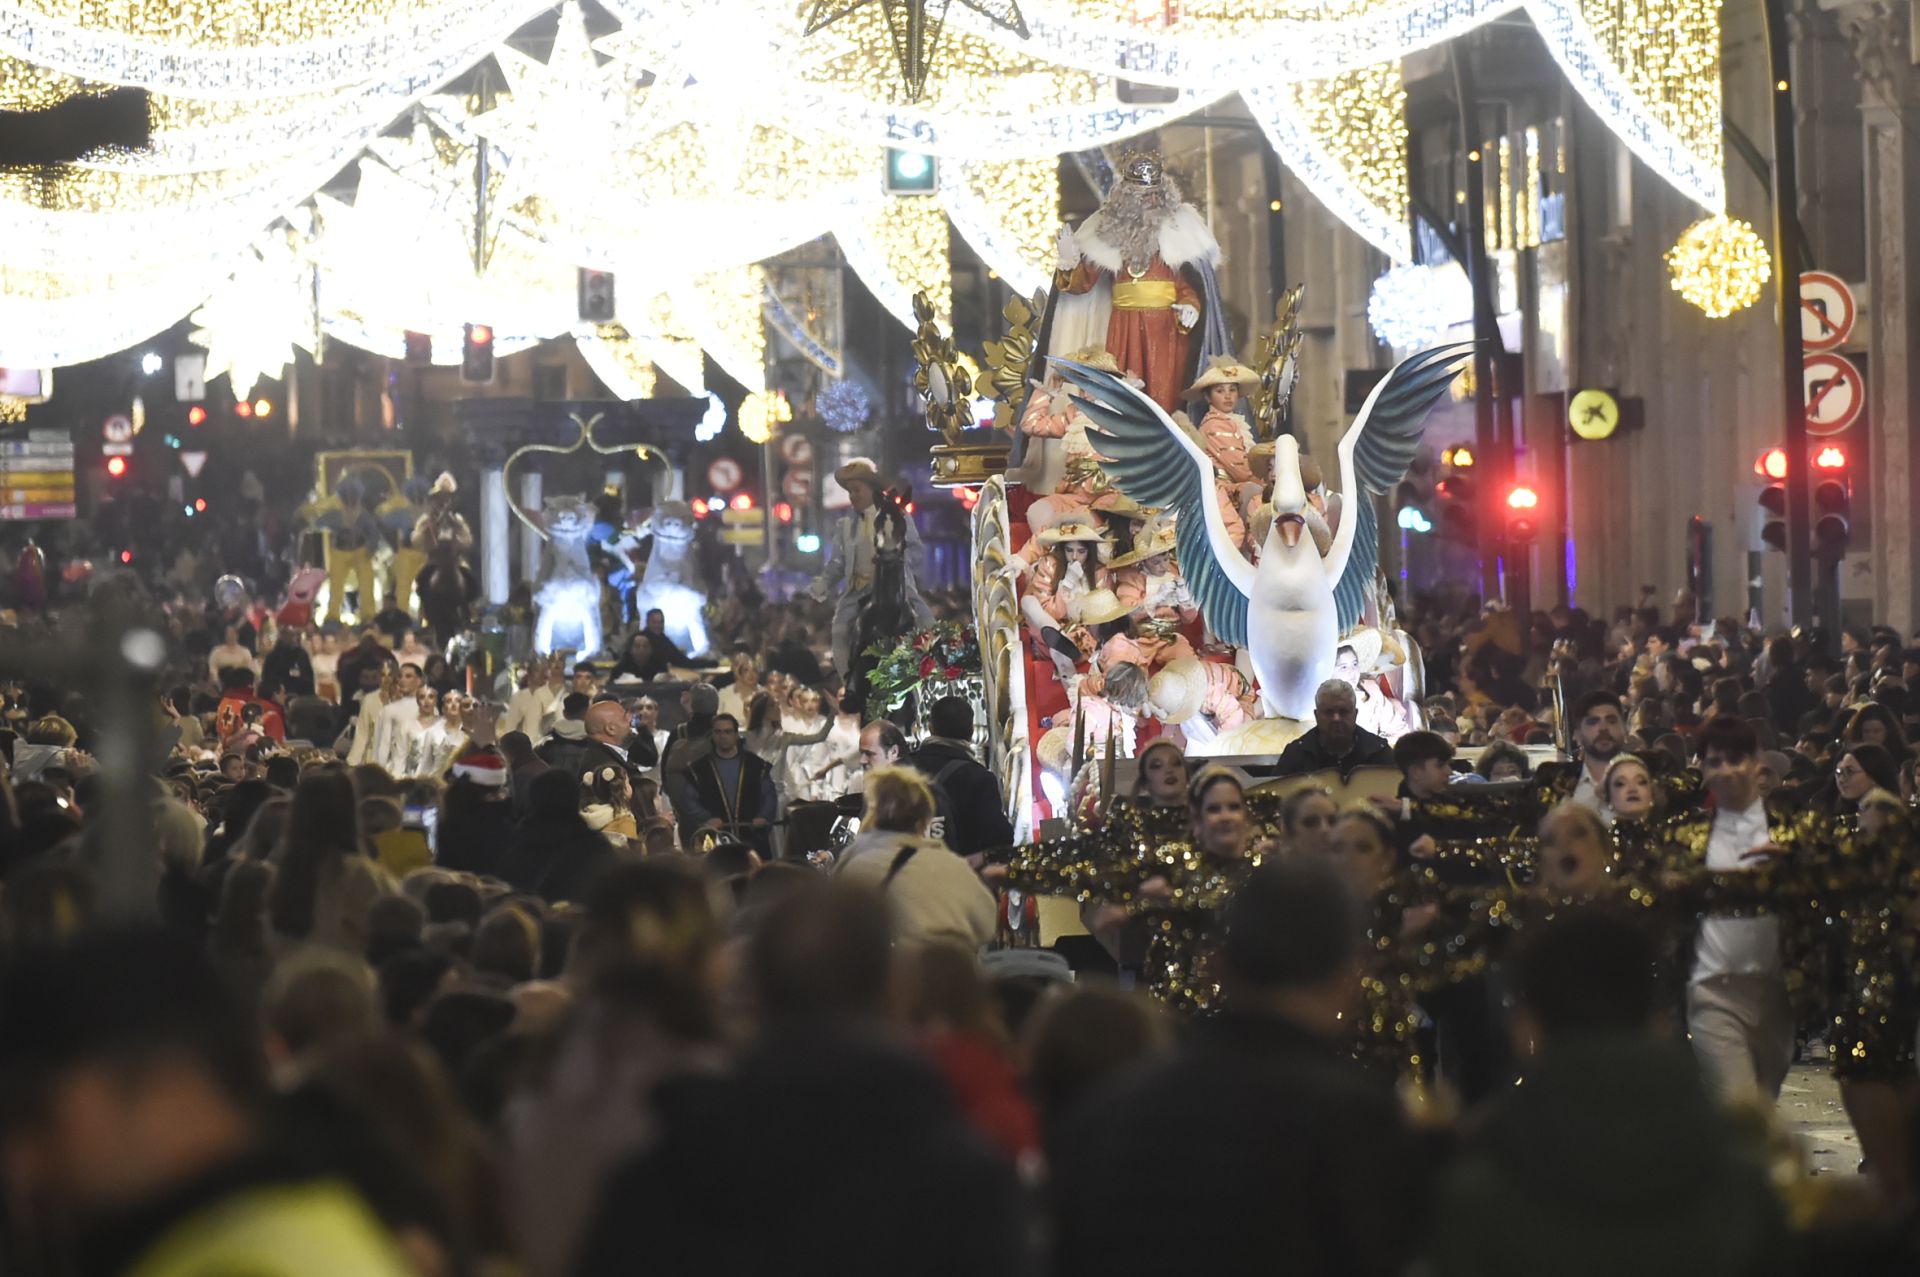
[286,671]
[1293,1157]
[1613,1156]
[1336,739]
[973,818]
[826,1112]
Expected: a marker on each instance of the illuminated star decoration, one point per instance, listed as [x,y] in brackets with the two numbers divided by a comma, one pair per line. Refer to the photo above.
[916,26]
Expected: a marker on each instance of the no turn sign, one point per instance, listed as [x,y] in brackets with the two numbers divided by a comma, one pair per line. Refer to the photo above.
[1835,394]
[725,474]
[1827,311]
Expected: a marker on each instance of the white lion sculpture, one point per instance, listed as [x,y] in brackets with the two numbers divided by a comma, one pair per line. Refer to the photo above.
[569,595]
[670,582]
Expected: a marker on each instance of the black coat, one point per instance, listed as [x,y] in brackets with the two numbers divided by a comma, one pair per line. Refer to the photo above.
[848,1156]
[1307,753]
[556,858]
[969,795]
[286,672]
[475,838]
[1258,1147]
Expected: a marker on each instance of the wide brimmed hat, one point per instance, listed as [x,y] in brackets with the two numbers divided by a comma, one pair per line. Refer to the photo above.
[1095,357]
[1097,607]
[1072,529]
[444,486]
[1222,371]
[1151,541]
[1117,503]
[859,470]
[1366,642]
[1178,691]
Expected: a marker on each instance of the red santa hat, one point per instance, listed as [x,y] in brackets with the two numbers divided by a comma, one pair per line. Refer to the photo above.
[482,766]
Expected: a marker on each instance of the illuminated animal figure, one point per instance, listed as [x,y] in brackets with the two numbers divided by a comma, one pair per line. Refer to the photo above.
[1290,610]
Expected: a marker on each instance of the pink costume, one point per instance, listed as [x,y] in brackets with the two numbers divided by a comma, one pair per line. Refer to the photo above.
[1165,596]
[1228,441]
[1229,698]
[1148,650]
[1057,596]
[1083,485]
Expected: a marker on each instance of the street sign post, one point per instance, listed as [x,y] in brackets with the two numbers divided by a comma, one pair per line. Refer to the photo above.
[1835,393]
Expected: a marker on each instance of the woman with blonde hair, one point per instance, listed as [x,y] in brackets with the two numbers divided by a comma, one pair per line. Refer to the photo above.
[932,894]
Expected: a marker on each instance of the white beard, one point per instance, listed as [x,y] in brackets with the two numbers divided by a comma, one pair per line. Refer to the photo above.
[1183,240]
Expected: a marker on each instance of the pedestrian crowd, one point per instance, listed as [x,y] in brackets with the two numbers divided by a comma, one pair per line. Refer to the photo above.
[560,978]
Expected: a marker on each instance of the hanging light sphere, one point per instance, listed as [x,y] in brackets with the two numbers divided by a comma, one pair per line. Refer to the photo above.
[1412,306]
[844,406]
[1720,264]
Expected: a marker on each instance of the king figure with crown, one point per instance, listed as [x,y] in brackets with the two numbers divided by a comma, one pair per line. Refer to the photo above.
[1136,278]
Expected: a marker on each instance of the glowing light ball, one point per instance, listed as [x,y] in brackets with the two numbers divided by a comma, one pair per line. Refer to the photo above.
[1721,265]
[844,406]
[1415,305]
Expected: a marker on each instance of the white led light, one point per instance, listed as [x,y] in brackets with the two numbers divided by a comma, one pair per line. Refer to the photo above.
[1414,306]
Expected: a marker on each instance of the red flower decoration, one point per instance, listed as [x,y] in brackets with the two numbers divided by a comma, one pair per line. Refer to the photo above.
[954,672]
[926,667]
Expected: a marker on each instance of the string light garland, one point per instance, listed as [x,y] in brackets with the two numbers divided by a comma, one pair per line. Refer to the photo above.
[1721,265]
[900,250]
[1346,139]
[915,27]
[721,130]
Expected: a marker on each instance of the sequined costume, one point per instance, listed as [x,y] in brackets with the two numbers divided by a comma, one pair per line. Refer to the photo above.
[1134,843]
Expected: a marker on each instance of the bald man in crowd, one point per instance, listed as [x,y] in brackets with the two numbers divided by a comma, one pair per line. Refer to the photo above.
[611,739]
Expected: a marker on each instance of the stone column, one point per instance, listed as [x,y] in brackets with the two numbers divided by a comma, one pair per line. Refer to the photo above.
[1890,94]
[530,541]
[494,546]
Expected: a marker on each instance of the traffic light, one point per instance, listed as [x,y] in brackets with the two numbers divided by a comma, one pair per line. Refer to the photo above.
[116,467]
[196,416]
[1523,523]
[596,296]
[1459,520]
[1832,502]
[1412,513]
[911,173]
[476,355]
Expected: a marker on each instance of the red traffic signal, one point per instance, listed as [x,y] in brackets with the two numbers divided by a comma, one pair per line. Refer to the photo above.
[743,501]
[1771,464]
[1830,457]
[196,415]
[116,466]
[1522,526]
[476,353]
[783,511]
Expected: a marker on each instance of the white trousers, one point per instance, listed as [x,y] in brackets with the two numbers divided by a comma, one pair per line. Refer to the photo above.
[1742,1033]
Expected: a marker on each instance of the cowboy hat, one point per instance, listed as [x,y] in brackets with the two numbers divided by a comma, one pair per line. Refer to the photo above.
[1151,541]
[1366,643]
[1222,371]
[1071,529]
[1097,607]
[1115,502]
[859,470]
[1095,357]
[444,485]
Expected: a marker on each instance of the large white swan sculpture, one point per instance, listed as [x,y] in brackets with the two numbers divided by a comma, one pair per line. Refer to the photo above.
[1289,611]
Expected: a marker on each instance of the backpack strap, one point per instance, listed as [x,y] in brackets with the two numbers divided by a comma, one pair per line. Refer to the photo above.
[900,859]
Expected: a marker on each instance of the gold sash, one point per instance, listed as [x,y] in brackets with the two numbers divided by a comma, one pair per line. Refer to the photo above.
[1143,294]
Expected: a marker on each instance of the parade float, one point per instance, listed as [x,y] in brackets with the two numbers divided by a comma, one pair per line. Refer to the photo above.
[1137,574]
